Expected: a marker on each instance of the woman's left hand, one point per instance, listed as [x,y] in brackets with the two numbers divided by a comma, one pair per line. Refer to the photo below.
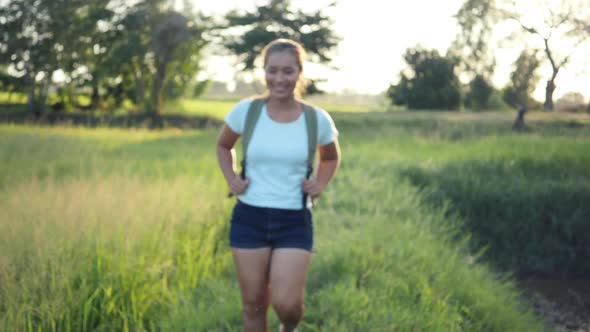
[312,187]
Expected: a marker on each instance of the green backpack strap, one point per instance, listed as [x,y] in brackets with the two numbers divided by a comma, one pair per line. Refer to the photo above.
[251,118]
[311,122]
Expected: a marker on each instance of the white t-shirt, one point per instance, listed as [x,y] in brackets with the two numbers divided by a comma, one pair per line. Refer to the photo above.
[277,156]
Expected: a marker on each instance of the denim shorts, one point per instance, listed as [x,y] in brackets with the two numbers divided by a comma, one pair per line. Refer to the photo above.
[257,227]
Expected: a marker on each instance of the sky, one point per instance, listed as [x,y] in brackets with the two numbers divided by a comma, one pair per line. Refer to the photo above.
[376,33]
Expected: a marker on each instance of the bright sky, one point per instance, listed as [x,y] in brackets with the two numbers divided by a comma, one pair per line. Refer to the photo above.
[376,33]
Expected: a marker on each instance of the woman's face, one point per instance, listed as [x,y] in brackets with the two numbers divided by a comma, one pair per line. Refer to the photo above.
[282,73]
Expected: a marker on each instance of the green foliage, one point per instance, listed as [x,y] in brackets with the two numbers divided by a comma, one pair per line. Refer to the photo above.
[523,80]
[160,51]
[140,51]
[431,83]
[50,35]
[480,91]
[173,31]
[249,32]
[278,20]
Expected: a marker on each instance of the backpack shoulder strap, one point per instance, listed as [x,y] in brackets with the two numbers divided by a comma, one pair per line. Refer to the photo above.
[251,118]
[311,122]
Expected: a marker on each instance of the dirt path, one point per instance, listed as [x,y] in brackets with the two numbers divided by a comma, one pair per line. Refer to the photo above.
[564,304]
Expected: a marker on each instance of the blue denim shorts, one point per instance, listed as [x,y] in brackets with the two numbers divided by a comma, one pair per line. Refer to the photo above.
[257,227]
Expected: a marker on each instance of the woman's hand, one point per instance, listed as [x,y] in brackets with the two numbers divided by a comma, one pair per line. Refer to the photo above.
[313,187]
[237,185]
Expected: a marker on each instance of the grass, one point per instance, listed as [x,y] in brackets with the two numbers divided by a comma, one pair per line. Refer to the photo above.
[126,230]
[218,108]
[213,108]
[520,195]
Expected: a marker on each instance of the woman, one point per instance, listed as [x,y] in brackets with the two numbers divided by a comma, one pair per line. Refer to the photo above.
[271,231]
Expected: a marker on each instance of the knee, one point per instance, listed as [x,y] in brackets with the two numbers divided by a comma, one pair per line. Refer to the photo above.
[255,306]
[289,311]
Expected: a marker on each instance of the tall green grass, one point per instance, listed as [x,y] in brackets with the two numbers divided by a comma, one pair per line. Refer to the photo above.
[115,230]
[529,208]
[107,253]
[103,229]
[521,195]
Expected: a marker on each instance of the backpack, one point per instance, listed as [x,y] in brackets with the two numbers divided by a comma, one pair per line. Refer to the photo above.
[311,123]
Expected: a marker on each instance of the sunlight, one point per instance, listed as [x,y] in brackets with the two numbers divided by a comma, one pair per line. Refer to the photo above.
[375,34]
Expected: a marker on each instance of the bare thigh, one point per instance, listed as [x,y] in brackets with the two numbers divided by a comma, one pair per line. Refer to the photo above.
[288,271]
[252,267]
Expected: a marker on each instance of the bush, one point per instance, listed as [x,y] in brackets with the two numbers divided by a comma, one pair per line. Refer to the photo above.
[432,85]
[480,91]
[571,102]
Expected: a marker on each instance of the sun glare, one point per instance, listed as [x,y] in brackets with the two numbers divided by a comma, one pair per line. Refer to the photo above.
[375,34]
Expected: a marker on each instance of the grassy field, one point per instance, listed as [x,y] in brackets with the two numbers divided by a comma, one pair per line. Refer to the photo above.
[218,108]
[126,230]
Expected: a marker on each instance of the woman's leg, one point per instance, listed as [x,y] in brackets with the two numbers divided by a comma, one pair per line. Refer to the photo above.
[252,267]
[288,270]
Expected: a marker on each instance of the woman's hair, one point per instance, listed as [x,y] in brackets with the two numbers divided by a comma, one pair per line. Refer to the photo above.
[281,45]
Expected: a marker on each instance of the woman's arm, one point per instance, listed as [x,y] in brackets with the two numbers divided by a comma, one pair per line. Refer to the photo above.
[225,156]
[329,162]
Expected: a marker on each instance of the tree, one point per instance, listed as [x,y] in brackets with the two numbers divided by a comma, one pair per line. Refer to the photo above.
[550,22]
[248,32]
[429,83]
[471,47]
[104,43]
[28,43]
[471,50]
[522,80]
[46,36]
[87,43]
[159,48]
[169,36]
[559,23]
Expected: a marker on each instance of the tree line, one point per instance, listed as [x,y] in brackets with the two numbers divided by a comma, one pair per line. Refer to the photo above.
[432,80]
[145,51]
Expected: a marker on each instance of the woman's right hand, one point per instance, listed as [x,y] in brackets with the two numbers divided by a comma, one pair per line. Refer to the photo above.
[238,185]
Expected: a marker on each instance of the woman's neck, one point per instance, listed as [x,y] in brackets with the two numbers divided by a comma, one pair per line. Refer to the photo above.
[283,104]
